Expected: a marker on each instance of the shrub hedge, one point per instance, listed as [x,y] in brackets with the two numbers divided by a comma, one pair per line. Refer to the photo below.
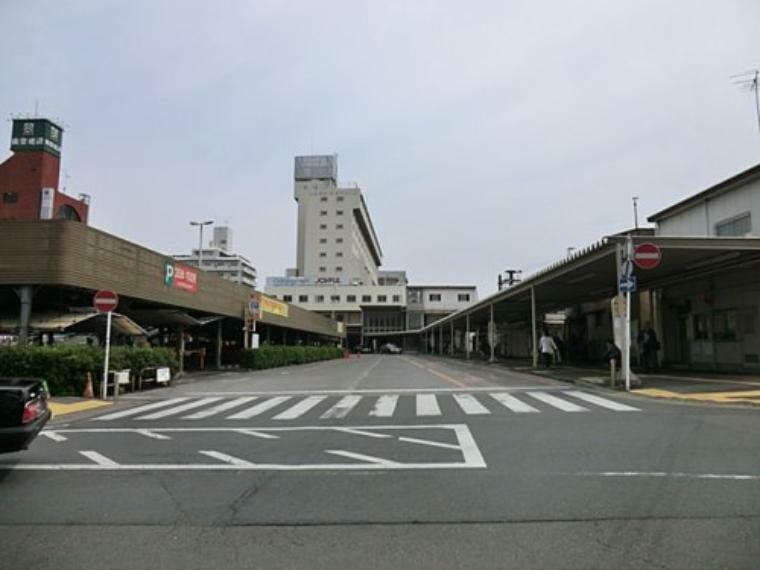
[273,356]
[65,366]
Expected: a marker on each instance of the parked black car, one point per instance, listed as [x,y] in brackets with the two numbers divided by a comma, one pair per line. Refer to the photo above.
[23,412]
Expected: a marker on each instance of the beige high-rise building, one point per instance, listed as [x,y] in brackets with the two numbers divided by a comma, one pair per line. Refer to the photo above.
[336,241]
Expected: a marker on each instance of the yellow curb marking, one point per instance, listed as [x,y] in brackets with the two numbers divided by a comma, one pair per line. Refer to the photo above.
[60,409]
[439,374]
[725,397]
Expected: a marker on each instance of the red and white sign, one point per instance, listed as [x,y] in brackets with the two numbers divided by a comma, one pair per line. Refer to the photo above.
[105,301]
[647,256]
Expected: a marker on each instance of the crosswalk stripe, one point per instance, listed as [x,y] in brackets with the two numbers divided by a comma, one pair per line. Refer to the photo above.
[140,409]
[220,408]
[558,403]
[512,403]
[603,402]
[470,405]
[341,409]
[259,408]
[385,406]
[427,405]
[300,408]
[179,409]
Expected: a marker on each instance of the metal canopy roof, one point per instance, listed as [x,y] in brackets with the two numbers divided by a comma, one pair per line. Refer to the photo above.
[76,322]
[591,275]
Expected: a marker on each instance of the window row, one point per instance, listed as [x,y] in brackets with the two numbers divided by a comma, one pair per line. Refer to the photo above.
[337,199]
[324,226]
[324,240]
[436,297]
[337,212]
[337,298]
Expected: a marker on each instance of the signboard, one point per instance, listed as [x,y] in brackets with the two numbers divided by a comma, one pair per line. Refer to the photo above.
[105,301]
[628,284]
[259,305]
[647,256]
[273,307]
[179,276]
[302,281]
[254,306]
[618,306]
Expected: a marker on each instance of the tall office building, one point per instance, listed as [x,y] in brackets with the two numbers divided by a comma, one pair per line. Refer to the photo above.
[336,240]
[338,257]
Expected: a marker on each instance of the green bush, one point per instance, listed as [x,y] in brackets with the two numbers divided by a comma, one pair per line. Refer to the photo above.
[274,356]
[65,366]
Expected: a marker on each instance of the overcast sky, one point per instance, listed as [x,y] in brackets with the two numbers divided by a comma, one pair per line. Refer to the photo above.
[485,135]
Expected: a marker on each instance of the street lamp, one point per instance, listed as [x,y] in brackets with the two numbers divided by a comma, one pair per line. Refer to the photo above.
[200,239]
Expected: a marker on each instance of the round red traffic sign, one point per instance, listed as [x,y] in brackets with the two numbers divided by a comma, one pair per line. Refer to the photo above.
[105,301]
[647,256]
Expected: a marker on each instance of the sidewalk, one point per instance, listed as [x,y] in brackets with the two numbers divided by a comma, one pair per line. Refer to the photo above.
[702,387]
[689,386]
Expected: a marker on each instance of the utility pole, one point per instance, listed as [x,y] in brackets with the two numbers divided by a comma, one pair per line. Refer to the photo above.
[200,239]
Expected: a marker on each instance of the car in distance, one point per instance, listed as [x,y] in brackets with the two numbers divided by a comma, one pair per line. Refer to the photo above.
[390,348]
[23,412]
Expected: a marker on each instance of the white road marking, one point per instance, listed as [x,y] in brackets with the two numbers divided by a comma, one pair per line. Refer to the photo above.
[379,391]
[259,408]
[152,434]
[98,459]
[364,374]
[603,402]
[55,436]
[558,403]
[361,457]
[341,409]
[220,408]
[227,458]
[179,409]
[361,432]
[256,433]
[300,408]
[385,406]
[428,442]
[427,405]
[676,475]
[140,409]
[513,403]
[470,405]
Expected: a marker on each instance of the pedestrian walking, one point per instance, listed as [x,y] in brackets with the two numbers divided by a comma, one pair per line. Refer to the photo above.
[649,345]
[548,348]
[613,355]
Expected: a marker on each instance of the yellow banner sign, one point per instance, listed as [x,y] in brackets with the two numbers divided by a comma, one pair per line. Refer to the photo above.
[272,306]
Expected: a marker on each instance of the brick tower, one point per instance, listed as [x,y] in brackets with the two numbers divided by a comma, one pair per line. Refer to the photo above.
[29,178]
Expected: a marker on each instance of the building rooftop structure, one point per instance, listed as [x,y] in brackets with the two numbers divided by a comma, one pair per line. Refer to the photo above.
[713,191]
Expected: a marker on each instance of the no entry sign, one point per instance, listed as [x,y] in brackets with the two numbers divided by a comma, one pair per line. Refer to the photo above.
[647,256]
[105,301]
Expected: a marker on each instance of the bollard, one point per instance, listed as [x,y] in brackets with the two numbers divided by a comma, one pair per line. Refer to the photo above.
[612,373]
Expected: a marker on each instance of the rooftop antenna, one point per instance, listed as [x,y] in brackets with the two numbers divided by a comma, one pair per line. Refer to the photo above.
[636,212]
[749,81]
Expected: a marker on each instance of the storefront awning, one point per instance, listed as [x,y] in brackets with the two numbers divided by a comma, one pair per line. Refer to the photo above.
[74,322]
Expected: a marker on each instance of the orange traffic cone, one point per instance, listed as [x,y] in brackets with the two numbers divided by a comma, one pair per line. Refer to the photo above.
[88,391]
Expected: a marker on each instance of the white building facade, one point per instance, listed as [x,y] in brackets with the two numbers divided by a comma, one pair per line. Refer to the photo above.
[714,321]
[338,259]
[218,259]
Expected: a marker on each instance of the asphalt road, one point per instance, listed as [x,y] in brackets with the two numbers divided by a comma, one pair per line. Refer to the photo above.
[386,462]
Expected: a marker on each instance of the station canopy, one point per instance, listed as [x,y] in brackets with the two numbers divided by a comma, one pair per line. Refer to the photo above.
[591,274]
